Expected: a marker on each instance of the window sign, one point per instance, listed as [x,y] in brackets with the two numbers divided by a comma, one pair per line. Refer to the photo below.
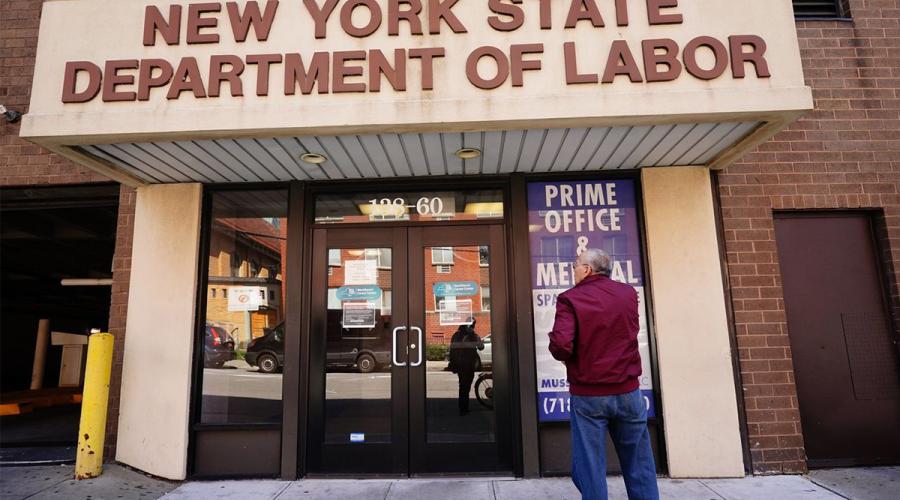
[455,312]
[564,219]
[358,315]
[245,298]
[360,272]
[360,292]
[455,288]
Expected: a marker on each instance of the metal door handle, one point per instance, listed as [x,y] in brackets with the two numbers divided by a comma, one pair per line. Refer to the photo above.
[394,346]
[421,346]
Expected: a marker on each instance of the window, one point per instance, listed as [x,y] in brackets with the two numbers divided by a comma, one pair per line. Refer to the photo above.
[333,302]
[334,257]
[383,258]
[818,9]
[244,251]
[442,255]
[485,298]
[385,306]
[484,256]
[443,269]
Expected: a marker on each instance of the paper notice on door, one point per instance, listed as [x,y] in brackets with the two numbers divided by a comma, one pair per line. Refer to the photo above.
[455,312]
[360,272]
[358,314]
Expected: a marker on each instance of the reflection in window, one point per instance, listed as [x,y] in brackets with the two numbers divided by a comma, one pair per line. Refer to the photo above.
[442,255]
[243,335]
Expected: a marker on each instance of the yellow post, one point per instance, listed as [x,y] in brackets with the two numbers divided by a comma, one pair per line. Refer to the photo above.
[92,430]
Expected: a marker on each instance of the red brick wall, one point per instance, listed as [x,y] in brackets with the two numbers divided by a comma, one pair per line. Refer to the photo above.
[25,164]
[843,155]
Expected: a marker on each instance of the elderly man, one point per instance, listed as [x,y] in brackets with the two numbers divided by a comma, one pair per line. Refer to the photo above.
[595,335]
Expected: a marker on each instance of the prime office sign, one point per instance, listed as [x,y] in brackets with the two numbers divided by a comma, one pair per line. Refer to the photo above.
[370,69]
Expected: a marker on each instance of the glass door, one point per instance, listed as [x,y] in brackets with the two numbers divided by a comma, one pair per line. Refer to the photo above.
[460,415]
[358,380]
[409,365]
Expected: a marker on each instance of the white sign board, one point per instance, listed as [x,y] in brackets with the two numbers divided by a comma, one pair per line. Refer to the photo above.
[244,298]
[360,272]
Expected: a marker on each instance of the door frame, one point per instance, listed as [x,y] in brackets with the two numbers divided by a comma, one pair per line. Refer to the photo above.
[295,444]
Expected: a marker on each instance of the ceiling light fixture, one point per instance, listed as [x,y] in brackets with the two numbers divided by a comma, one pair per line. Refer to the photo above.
[313,158]
[468,153]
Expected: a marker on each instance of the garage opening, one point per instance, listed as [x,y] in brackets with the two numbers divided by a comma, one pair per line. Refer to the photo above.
[56,254]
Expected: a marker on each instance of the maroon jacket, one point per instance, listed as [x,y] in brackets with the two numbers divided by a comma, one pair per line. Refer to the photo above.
[595,334]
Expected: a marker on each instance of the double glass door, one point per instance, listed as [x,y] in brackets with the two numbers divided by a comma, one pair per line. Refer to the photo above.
[409,370]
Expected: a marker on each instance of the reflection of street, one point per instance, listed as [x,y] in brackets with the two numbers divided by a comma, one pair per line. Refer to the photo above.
[240,380]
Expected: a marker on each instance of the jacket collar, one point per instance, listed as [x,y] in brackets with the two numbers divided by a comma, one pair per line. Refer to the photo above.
[592,278]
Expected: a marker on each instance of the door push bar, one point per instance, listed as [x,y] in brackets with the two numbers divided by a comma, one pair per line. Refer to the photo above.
[394,346]
[421,347]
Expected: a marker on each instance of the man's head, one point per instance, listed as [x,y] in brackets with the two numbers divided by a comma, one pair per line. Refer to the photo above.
[592,261]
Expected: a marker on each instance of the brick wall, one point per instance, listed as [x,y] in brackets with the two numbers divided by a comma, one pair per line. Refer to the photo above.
[25,164]
[843,155]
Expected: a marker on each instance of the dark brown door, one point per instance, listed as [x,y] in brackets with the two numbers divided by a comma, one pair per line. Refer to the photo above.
[385,304]
[843,343]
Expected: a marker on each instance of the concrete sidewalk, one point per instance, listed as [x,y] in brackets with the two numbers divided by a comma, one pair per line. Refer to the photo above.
[54,482]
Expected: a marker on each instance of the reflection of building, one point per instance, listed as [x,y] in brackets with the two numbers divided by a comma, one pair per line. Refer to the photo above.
[245,257]
[444,313]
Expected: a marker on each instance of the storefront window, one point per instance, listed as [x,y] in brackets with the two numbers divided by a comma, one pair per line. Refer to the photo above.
[243,344]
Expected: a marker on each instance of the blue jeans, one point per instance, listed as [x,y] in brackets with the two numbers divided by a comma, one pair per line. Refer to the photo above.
[625,416]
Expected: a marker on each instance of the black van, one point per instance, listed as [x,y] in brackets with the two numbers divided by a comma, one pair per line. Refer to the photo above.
[365,354]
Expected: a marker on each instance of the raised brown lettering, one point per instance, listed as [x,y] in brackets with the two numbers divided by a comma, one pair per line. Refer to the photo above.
[410,15]
[315,76]
[261,23]
[756,56]
[546,22]
[263,62]
[438,10]
[218,74]
[395,74]
[655,15]
[147,80]
[621,12]
[70,81]
[719,51]
[584,10]
[340,71]
[347,18]
[427,55]
[169,29]
[499,59]
[196,22]
[187,77]
[113,79]
[621,62]
[518,64]
[653,59]
[514,16]
[571,60]
[320,15]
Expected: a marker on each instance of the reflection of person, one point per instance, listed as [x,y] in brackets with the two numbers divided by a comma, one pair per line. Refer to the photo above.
[595,335]
[464,347]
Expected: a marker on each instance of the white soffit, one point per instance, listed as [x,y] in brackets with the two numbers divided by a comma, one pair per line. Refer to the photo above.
[390,155]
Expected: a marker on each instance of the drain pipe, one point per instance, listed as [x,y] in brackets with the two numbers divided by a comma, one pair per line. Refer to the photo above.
[92,429]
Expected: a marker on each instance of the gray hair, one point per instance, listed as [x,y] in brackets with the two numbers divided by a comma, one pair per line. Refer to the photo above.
[599,260]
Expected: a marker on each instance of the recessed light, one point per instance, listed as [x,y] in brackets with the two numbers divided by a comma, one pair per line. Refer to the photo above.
[468,153]
[313,158]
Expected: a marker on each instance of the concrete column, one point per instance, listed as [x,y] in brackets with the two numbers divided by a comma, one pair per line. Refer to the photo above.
[700,413]
[40,354]
[156,369]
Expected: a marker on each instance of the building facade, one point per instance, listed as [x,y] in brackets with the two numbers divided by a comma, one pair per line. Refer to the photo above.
[696,172]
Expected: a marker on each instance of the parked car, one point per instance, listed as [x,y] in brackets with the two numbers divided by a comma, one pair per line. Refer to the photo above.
[366,355]
[486,356]
[267,352]
[218,347]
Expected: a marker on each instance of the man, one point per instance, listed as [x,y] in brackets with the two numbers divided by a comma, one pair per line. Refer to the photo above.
[595,335]
[464,347]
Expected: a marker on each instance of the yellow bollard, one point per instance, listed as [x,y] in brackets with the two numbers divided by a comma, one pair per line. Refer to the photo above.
[92,429]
